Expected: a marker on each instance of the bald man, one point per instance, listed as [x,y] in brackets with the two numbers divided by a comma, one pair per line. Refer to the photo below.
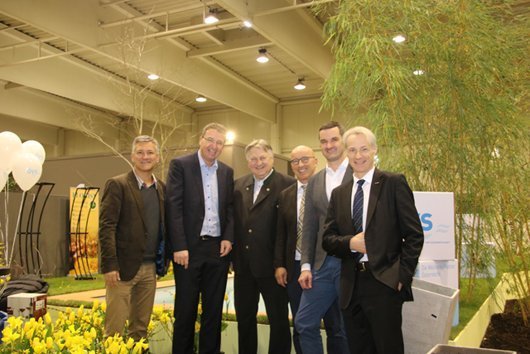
[287,253]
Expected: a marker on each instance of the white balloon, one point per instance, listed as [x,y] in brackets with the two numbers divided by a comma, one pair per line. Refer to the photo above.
[4,174]
[35,148]
[10,147]
[27,170]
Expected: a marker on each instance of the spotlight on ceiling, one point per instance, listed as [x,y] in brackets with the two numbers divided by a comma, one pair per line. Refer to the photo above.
[210,17]
[201,99]
[153,77]
[399,38]
[230,137]
[262,57]
[247,23]
[300,84]
[418,72]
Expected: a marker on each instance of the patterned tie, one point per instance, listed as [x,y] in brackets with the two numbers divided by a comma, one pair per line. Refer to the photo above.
[357,211]
[300,221]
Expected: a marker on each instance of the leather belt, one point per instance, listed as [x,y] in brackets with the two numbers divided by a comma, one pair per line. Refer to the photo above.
[362,266]
[208,237]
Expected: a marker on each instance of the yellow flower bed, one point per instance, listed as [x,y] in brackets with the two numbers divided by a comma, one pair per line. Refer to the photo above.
[75,331]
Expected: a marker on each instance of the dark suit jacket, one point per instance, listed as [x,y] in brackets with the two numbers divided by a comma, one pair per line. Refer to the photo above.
[255,223]
[122,231]
[285,246]
[393,234]
[185,202]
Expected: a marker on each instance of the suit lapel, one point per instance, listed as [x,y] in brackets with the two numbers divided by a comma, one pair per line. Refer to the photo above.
[197,178]
[265,190]
[248,195]
[375,190]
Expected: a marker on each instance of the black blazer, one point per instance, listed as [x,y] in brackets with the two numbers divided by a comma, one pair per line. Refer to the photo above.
[255,223]
[185,202]
[122,227]
[286,235]
[393,235]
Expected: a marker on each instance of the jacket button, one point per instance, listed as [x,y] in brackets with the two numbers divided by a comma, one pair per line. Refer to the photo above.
[246,247]
[249,231]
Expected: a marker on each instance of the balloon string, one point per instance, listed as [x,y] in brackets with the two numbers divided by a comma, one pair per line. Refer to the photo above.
[16,228]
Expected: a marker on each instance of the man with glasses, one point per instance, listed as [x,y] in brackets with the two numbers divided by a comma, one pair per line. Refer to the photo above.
[131,235]
[319,272]
[287,252]
[199,219]
[256,207]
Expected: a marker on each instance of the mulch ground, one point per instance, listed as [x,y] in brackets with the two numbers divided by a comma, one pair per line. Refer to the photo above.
[507,331]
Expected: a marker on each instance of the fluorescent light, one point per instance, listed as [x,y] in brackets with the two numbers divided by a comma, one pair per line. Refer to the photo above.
[201,99]
[153,77]
[299,84]
[399,38]
[418,72]
[262,57]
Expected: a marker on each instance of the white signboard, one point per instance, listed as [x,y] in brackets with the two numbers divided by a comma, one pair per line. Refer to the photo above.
[437,215]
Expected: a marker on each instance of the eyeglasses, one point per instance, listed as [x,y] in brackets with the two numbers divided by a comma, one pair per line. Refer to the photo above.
[213,141]
[304,159]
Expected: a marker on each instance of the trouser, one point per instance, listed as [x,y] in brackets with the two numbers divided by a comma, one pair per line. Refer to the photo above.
[132,300]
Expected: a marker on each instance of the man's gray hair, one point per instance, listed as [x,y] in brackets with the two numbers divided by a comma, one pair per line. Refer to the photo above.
[145,139]
[259,143]
[370,136]
[215,126]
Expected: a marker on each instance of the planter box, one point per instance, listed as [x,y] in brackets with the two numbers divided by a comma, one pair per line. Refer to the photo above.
[427,320]
[448,349]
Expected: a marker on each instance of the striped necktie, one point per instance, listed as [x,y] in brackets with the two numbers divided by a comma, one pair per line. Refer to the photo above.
[357,211]
[300,222]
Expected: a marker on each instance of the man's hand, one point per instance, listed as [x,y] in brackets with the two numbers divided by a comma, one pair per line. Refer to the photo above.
[226,247]
[357,243]
[181,258]
[281,276]
[112,278]
[306,279]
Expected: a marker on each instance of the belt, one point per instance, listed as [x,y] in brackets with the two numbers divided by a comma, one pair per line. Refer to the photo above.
[208,237]
[362,266]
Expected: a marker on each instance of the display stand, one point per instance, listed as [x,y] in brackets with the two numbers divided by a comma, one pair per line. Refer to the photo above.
[29,228]
[80,211]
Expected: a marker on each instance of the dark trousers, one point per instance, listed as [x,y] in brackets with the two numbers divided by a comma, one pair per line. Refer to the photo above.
[247,289]
[206,276]
[373,319]
[294,291]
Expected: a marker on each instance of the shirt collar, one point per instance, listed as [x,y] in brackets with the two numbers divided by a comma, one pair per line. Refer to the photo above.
[342,167]
[203,163]
[368,177]
[260,181]
[141,183]
[300,184]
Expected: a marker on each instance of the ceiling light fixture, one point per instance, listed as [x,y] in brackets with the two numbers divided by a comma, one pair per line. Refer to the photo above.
[247,23]
[230,137]
[201,99]
[418,72]
[153,77]
[300,84]
[262,57]
[399,38]
[210,17]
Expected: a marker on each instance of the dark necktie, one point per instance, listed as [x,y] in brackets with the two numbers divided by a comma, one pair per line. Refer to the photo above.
[300,221]
[357,211]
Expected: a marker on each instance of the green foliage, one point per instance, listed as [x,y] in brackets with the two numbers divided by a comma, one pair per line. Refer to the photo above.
[462,126]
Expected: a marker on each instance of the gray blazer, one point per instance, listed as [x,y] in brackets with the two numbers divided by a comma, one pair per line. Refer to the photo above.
[316,208]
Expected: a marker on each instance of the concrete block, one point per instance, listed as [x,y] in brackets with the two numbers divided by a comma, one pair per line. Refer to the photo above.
[427,320]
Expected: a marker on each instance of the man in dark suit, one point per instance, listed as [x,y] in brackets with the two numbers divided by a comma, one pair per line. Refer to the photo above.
[131,236]
[200,228]
[289,232]
[373,225]
[320,273]
[256,206]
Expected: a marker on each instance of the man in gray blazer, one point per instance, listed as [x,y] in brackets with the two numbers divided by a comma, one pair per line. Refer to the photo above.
[320,273]
[131,236]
